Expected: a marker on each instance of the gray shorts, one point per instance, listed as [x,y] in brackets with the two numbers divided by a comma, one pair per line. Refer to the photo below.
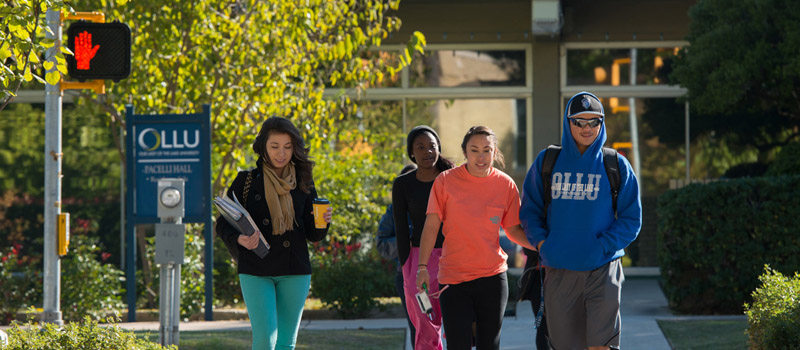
[582,307]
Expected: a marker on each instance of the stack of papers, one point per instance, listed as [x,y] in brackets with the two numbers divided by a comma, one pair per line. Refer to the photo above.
[236,215]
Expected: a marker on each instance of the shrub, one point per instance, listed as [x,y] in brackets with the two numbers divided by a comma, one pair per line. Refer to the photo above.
[88,285]
[715,237]
[19,284]
[227,290]
[774,315]
[88,335]
[349,281]
[787,162]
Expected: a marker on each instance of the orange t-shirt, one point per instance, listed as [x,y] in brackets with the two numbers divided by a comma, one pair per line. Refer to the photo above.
[473,209]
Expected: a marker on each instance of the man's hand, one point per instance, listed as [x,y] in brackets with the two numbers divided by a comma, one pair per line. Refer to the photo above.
[249,242]
[83,50]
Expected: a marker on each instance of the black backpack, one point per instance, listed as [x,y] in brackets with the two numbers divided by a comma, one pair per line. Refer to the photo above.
[610,161]
[528,283]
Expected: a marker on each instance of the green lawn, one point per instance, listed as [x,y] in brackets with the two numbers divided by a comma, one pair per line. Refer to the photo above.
[705,334]
[372,339]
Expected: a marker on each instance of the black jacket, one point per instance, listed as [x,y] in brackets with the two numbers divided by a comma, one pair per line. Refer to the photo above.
[288,254]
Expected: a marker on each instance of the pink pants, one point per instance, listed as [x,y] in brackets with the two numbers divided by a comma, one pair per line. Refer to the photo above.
[429,332]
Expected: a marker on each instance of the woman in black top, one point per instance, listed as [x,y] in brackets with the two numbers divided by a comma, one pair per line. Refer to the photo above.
[278,194]
[410,201]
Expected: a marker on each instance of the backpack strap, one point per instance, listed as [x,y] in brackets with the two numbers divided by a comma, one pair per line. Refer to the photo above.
[550,156]
[611,163]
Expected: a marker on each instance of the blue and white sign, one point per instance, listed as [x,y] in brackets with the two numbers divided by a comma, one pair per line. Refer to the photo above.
[167,146]
[173,146]
[168,150]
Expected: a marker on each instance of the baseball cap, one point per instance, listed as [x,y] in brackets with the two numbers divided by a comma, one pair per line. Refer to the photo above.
[584,102]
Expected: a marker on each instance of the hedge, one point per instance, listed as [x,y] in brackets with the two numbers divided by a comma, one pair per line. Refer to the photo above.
[715,238]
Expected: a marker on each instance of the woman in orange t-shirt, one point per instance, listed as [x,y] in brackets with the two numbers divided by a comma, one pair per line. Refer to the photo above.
[472,202]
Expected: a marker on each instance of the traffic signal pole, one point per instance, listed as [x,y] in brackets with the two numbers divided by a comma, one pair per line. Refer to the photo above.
[52,165]
[52,181]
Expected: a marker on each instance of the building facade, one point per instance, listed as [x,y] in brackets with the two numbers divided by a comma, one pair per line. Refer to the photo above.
[513,64]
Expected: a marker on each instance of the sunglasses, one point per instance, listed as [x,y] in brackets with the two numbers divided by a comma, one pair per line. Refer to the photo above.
[592,123]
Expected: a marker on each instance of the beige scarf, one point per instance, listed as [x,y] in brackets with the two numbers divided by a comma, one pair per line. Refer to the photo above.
[279,200]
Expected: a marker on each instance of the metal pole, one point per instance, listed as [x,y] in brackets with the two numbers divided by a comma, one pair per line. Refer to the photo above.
[176,305]
[686,136]
[633,121]
[170,298]
[163,304]
[52,181]
[122,206]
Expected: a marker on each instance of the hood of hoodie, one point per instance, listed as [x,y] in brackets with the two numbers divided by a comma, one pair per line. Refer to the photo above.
[568,143]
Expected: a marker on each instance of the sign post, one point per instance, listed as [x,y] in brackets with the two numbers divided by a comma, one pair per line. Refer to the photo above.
[170,235]
[172,147]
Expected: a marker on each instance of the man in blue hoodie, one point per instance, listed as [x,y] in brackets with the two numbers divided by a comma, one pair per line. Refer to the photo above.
[579,236]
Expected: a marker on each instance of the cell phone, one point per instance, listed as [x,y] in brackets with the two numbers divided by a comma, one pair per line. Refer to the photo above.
[423,301]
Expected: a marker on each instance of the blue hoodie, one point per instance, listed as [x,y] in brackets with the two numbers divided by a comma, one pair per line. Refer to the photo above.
[579,230]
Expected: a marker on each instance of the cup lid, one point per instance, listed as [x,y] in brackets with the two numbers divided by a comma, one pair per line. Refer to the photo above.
[321,201]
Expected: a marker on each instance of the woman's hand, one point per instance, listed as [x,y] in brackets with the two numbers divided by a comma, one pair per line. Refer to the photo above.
[517,235]
[422,278]
[328,215]
[249,242]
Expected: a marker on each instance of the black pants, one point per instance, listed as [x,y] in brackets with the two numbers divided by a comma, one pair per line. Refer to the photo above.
[398,285]
[483,300]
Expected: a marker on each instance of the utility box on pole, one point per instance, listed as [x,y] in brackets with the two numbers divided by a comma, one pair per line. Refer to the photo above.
[169,254]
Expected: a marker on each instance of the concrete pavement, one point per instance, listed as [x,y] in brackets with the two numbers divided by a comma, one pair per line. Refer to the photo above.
[642,303]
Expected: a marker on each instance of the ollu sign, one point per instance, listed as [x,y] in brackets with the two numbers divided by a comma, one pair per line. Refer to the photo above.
[167,146]
[171,146]
[151,139]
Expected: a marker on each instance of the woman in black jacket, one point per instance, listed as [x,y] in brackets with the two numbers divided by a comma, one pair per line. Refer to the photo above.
[278,194]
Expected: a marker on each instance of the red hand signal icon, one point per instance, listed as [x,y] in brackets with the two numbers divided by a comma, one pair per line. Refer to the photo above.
[84,52]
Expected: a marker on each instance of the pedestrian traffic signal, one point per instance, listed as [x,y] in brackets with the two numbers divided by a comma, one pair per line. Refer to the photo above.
[101,50]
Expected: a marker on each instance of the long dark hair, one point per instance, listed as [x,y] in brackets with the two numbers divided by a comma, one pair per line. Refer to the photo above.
[302,164]
[483,130]
[444,164]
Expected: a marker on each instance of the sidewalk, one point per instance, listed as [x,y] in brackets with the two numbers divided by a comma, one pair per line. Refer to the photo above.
[642,303]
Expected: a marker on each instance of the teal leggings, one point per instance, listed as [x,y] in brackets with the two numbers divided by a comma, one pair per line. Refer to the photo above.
[275,305]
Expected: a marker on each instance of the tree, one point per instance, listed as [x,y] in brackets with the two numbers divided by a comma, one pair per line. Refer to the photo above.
[741,68]
[24,53]
[249,60]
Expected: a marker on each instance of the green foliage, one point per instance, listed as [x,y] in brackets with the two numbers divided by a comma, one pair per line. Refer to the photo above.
[24,52]
[250,60]
[757,73]
[20,255]
[742,94]
[348,280]
[89,287]
[787,162]
[91,165]
[88,335]
[227,290]
[20,282]
[714,238]
[358,187]
[774,315]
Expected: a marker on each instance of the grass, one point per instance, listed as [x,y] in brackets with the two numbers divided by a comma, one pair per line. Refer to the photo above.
[705,334]
[356,339]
